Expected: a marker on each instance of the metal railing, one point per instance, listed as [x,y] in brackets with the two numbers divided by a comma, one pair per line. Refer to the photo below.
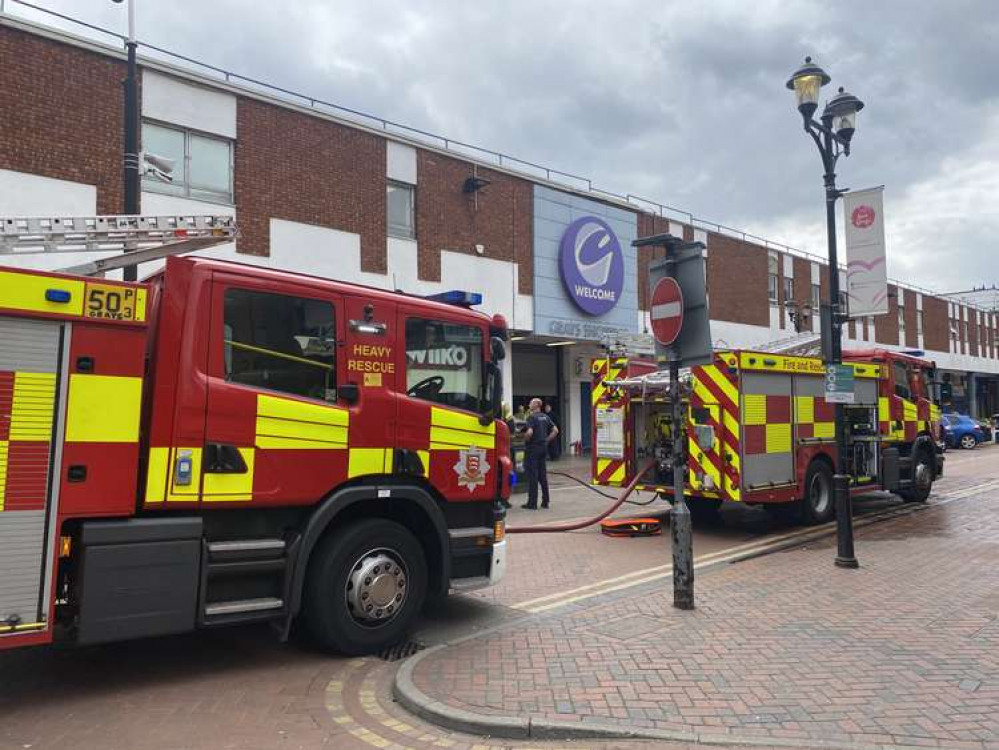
[459,148]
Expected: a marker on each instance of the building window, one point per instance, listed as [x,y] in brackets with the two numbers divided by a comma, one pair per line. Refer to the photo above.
[788,290]
[816,298]
[444,363]
[772,283]
[201,164]
[280,343]
[401,210]
[901,322]
[844,303]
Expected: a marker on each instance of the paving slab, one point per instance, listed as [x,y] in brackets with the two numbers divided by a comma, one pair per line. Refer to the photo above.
[784,649]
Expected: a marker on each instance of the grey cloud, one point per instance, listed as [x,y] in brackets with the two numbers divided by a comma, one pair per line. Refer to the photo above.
[678,101]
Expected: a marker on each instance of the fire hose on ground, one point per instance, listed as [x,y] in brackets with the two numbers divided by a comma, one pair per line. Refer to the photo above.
[575,525]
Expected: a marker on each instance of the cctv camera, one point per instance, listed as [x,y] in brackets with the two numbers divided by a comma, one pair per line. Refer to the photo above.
[158,166]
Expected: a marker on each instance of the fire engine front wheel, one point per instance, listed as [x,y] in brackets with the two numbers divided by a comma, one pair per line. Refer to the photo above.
[366,584]
[818,504]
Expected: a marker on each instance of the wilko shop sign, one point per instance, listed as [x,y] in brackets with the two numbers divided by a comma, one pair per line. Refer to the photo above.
[592,265]
[452,357]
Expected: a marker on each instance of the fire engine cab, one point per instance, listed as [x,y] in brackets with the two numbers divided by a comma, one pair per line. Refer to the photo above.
[760,431]
[227,443]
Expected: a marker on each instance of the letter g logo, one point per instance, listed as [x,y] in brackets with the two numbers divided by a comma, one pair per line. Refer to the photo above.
[592,265]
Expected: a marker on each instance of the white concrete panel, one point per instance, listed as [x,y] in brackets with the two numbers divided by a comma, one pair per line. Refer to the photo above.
[401,162]
[29,195]
[23,194]
[774,318]
[179,102]
[919,301]
[788,266]
[700,236]
[676,229]
[816,273]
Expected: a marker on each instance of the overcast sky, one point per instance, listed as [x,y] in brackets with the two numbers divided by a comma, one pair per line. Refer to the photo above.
[681,102]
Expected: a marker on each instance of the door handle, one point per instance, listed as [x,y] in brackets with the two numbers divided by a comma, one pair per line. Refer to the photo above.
[222,458]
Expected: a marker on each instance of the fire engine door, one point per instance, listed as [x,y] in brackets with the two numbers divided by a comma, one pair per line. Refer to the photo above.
[274,431]
[30,439]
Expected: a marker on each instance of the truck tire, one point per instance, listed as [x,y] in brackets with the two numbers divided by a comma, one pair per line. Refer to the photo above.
[819,503]
[366,584]
[923,474]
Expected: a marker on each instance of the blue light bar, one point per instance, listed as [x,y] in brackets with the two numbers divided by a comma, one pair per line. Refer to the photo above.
[57,295]
[914,352]
[457,297]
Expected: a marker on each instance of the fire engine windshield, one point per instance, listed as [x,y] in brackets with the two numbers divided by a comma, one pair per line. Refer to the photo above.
[444,363]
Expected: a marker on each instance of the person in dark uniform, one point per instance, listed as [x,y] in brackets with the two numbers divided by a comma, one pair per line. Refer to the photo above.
[540,432]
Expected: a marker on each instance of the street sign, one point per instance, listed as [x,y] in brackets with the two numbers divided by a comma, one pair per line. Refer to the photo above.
[839,384]
[666,310]
[683,266]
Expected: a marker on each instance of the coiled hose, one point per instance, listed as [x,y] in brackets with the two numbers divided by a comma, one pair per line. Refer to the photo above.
[575,525]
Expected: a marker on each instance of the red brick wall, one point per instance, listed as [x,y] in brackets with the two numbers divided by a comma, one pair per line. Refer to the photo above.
[61,114]
[648,224]
[886,326]
[737,277]
[300,168]
[500,217]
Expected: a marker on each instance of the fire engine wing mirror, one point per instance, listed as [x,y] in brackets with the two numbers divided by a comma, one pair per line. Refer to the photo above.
[492,396]
[497,349]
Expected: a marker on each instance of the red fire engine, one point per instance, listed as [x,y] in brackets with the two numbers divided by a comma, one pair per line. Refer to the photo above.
[760,431]
[226,443]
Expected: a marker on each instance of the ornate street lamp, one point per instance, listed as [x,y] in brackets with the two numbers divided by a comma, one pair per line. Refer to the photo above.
[832,136]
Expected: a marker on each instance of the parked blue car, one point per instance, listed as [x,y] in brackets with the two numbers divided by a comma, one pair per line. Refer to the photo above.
[961,430]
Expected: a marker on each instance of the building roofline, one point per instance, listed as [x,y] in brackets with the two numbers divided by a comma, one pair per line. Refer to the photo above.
[226,83]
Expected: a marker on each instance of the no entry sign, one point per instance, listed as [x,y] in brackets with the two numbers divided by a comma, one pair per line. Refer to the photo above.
[666,311]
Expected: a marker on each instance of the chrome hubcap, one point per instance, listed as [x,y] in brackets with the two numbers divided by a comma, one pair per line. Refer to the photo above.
[923,474]
[376,588]
[819,494]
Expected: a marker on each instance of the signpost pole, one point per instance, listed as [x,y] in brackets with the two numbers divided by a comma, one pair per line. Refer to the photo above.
[678,314]
[681,531]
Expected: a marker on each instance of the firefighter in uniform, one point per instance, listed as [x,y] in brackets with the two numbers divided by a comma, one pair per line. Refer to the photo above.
[540,432]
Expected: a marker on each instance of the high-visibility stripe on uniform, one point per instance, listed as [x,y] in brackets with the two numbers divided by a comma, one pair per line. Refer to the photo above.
[103,409]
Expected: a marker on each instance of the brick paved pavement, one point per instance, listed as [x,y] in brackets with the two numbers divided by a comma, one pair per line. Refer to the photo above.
[782,648]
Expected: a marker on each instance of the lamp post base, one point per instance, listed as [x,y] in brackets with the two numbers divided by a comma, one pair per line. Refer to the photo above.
[847,562]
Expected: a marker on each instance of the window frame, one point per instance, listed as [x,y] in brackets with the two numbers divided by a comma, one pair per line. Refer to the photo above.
[411,189]
[224,287]
[773,277]
[788,290]
[901,367]
[481,396]
[207,195]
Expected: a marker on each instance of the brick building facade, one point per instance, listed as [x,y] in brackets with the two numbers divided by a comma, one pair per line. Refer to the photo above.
[314,192]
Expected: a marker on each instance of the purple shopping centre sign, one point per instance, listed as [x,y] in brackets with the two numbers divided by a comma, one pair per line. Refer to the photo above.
[592,265]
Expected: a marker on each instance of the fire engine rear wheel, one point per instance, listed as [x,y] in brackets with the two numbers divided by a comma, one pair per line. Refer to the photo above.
[923,474]
[818,504]
[366,584]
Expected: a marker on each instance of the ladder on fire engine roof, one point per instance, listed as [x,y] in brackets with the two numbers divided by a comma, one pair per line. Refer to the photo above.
[799,345]
[146,238]
[657,382]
